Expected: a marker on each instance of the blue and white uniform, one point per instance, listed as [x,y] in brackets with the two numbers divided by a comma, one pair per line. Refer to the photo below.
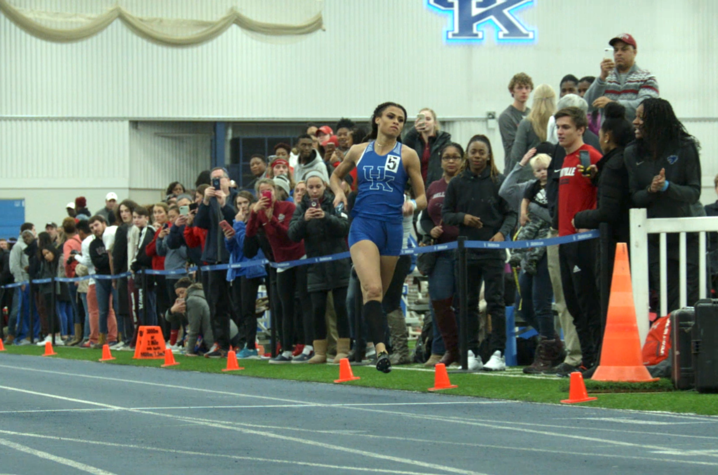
[377,214]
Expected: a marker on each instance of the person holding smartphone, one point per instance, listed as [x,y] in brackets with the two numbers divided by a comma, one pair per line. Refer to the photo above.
[427,139]
[215,207]
[577,260]
[323,231]
[244,282]
[271,218]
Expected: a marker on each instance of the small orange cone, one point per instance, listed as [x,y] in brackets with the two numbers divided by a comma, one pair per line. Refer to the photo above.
[621,358]
[2,346]
[169,359]
[345,372]
[106,354]
[441,378]
[232,364]
[48,349]
[577,391]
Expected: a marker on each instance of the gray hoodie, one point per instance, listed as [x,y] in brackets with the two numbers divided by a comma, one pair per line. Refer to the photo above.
[19,260]
[197,318]
[317,164]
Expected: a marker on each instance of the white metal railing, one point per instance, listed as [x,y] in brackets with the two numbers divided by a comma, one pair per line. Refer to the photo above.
[641,227]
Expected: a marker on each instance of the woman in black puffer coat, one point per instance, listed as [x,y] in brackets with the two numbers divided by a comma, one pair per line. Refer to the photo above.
[324,231]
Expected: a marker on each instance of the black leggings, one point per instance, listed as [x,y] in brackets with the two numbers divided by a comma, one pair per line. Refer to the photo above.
[52,314]
[244,300]
[288,282]
[319,312]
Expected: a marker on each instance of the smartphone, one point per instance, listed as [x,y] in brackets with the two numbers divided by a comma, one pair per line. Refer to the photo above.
[216,183]
[193,206]
[608,53]
[340,208]
[420,120]
[267,194]
[225,226]
[314,204]
[184,210]
[330,147]
[166,225]
[585,160]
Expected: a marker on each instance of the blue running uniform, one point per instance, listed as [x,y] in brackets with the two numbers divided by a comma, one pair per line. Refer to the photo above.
[377,214]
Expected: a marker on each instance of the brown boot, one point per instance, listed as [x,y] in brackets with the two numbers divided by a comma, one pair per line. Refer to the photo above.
[9,339]
[446,321]
[547,353]
[343,345]
[103,339]
[433,359]
[320,352]
[77,338]
[399,338]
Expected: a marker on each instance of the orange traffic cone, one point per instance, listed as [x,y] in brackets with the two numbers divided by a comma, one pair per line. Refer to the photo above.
[441,378]
[48,349]
[106,355]
[345,372]
[232,364]
[2,346]
[577,390]
[169,359]
[621,352]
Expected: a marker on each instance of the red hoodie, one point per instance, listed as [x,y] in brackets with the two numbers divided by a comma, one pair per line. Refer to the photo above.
[276,230]
[195,237]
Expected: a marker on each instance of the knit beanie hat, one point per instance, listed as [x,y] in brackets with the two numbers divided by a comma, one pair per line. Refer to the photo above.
[80,202]
[282,182]
[314,173]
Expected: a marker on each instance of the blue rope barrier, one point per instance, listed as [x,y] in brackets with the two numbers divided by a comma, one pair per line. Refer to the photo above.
[334,257]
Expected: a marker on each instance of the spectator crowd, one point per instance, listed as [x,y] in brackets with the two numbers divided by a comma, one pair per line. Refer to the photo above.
[573,162]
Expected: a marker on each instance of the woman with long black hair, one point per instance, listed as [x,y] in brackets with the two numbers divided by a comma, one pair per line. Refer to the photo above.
[384,167]
[664,172]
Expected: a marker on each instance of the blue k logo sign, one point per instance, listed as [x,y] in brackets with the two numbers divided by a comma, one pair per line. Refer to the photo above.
[469,14]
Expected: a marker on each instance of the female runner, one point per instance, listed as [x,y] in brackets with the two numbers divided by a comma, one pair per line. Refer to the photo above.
[375,237]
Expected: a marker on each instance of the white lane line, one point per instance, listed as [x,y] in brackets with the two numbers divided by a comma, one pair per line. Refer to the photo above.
[54,458]
[455,420]
[160,385]
[284,438]
[204,454]
[264,406]
[514,448]
[639,422]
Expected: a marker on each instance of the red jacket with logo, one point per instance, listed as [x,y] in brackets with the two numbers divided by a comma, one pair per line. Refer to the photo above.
[575,191]
[276,229]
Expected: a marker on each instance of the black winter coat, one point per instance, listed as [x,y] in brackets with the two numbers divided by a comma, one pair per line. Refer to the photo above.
[414,140]
[323,237]
[614,198]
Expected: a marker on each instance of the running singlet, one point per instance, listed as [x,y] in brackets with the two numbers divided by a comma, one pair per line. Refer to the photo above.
[382,180]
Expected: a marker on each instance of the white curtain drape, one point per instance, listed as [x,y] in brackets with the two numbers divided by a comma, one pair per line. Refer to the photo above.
[198,21]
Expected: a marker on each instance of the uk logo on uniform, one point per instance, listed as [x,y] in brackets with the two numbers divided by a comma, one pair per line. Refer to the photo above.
[469,15]
[379,179]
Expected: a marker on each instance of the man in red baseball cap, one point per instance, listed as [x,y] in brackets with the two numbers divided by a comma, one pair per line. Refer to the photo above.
[621,80]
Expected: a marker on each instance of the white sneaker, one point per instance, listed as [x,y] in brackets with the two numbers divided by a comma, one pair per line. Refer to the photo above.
[496,363]
[58,341]
[117,346]
[475,363]
[42,342]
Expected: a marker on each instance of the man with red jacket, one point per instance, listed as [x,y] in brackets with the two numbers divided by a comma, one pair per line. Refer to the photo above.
[577,193]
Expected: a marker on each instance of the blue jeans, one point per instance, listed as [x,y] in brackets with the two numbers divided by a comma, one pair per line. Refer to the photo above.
[103,288]
[442,285]
[86,319]
[14,311]
[24,316]
[536,299]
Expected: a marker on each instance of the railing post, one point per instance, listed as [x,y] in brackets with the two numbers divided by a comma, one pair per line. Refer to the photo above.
[463,304]
[52,312]
[639,269]
[31,309]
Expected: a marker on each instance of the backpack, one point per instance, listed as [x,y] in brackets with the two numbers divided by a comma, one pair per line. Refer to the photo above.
[658,342]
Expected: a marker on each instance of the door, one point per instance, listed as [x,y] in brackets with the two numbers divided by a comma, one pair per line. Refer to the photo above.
[12,216]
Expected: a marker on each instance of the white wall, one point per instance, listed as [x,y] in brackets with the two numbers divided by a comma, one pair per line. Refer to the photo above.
[370,51]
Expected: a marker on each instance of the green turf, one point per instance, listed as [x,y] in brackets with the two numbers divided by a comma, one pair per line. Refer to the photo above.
[658,396]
